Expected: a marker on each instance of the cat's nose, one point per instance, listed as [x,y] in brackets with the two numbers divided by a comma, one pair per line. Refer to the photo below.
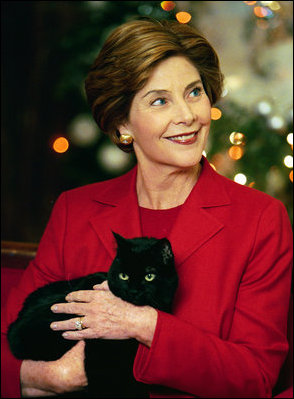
[134,291]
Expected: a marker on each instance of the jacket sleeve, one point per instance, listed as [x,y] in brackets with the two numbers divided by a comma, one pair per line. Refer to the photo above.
[188,359]
[47,266]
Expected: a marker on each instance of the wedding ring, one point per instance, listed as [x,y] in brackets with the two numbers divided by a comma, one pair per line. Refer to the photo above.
[79,324]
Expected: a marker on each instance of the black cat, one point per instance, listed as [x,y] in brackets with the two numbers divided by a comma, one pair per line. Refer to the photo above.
[142,273]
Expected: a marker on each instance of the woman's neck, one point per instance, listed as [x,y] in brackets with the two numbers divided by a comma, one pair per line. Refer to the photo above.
[164,188]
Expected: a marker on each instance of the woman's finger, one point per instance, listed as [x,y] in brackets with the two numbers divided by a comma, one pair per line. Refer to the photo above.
[79,309]
[80,296]
[79,335]
[102,287]
[77,323]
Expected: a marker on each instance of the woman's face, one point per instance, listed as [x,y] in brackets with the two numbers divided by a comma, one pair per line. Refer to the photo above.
[170,117]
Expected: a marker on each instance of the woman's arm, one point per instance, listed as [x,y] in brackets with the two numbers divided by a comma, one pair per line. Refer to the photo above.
[248,361]
[105,316]
[117,320]
[46,267]
[39,378]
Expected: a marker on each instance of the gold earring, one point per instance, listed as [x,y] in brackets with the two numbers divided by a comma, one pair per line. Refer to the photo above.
[126,139]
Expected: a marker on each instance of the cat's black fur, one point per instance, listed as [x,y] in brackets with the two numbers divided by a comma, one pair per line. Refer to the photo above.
[108,363]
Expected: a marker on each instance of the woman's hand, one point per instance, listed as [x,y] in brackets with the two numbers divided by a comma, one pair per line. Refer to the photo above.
[67,374]
[105,316]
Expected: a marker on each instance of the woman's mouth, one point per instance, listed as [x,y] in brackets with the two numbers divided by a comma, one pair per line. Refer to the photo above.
[185,138]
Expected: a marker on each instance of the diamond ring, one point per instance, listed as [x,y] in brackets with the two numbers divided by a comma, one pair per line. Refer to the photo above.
[79,324]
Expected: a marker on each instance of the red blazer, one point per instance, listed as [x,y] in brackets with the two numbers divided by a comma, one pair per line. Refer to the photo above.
[232,246]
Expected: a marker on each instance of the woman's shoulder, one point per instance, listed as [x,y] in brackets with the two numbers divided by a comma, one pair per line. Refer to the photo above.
[230,192]
[248,197]
[101,189]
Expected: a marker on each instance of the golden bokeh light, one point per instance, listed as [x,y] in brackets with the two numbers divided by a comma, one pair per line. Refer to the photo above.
[274,5]
[237,138]
[260,12]
[215,113]
[291,175]
[249,3]
[288,161]
[60,145]
[236,152]
[168,5]
[240,178]
[290,138]
[183,17]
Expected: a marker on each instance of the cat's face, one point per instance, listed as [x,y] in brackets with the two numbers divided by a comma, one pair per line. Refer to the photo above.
[143,272]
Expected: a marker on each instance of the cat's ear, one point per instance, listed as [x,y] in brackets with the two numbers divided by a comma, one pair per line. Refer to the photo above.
[166,250]
[119,239]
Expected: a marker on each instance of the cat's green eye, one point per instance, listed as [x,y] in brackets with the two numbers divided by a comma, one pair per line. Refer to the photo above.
[149,277]
[123,276]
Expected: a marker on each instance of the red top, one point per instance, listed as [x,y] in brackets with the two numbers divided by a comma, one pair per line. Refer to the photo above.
[227,334]
[157,222]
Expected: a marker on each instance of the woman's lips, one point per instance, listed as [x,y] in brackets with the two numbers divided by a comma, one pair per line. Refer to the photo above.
[185,139]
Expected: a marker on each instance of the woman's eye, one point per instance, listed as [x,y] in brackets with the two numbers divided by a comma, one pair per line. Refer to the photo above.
[196,92]
[150,277]
[159,101]
[123,276]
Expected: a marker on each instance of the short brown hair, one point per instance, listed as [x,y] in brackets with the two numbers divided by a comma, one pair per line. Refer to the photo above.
[127,59]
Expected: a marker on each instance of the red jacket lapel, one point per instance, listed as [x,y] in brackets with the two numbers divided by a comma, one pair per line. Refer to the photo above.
[119,212]
[195,225]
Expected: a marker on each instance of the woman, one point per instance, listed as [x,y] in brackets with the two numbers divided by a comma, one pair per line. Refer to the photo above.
[151,89]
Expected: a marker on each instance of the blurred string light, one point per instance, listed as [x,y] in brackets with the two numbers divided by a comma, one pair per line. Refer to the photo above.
[83,130]
[235,152]
[290,139]
[288,161]
[112,159]
[145,9]
[273,5]
[60,145]
[264,11]
[168,5]
[216,113]
[183,17]
[264,107]
[276,122]
[237,138]
[240,178]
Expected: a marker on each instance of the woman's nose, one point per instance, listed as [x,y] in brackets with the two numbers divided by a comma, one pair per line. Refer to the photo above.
[183,114]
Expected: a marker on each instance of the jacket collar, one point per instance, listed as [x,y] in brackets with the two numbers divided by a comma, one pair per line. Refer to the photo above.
[209,190]
[195,224]
[193,227]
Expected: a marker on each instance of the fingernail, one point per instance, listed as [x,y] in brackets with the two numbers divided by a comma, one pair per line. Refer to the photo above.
[65,334]
[53,326]
[54,308]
